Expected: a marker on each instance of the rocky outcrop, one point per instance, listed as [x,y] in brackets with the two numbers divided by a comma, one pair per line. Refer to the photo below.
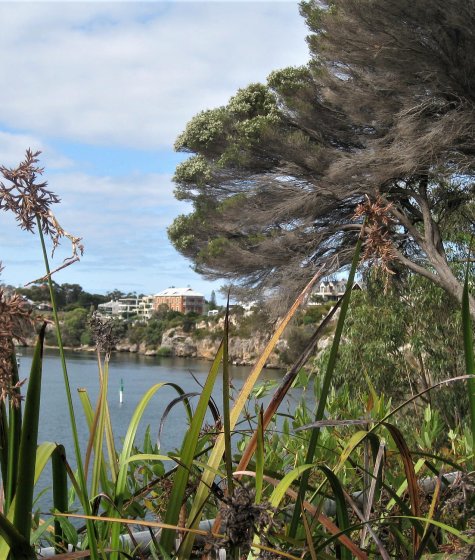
[125,346]
[180,343]
[242,351]
[175,342]
[207,347]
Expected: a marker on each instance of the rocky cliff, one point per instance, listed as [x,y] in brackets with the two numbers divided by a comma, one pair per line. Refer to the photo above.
[175,342]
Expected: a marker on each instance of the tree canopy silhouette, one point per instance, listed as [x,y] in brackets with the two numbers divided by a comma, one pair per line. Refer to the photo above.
[378,128]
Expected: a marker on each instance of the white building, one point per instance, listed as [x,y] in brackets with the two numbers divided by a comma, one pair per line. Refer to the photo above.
[109,309]
[123,307]
[145,307]
[330,291]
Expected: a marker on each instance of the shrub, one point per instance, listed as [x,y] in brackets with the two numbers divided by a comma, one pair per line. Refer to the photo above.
[164,352]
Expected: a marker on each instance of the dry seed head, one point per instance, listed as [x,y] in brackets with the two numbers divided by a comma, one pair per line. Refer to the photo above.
[15,319]
[29,199]
[103,333]
[244,518]
[377,247]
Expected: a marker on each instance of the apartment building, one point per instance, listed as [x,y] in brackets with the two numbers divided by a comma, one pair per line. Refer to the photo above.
[124,307]
[146,307]
[184,300]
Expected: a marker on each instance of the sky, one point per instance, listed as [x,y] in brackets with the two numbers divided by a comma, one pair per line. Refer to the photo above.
[103,89]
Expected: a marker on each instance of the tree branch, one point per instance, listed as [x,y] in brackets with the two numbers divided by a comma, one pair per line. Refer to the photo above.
[418,269]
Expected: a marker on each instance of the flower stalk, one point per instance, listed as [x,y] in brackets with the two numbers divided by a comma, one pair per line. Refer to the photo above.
[82,480]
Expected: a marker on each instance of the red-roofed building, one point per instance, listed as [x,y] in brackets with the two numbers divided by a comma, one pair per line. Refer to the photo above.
[184,300]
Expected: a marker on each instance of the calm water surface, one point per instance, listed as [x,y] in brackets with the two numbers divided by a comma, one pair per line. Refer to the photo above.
[138,373]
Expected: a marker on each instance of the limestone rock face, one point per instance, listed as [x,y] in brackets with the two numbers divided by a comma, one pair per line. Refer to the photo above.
[242,351]
[206,348]
[125,346]
[203,343]
[180,343]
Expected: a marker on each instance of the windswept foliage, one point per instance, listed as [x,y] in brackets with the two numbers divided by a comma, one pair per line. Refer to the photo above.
[381,116]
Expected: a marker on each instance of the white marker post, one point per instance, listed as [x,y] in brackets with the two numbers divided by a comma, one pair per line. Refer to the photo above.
[121,392]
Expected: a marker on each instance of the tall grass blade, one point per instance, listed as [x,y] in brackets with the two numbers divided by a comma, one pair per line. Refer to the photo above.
[341,512]
[19,546]
[28,443]
[111,450]
[3,441]
[14,436]
[98,465]
[121,484]
[412,486]
[91,420]
[187,455]
[260,456]
[353,442]
[326,386]
[217,453]
[259,471]
[43,455]
[92,431]
[282,487]
[308,534]
[83,496]
[141,457]
[226,406]
[60,493]
[14,428]
[469,357]
[286,384]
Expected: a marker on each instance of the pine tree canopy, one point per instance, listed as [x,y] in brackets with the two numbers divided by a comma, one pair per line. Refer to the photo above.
[378,128]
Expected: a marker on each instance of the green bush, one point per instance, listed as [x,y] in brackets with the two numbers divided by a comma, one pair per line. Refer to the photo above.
[404,338]
[164,352]
[315,313]
[86,338]
[74,325]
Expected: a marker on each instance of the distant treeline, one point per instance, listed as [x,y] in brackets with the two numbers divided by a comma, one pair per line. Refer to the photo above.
[69,296]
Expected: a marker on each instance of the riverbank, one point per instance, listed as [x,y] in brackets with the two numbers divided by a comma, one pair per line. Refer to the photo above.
[189,336]
[176,343]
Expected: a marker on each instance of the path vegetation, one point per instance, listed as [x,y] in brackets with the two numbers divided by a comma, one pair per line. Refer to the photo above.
[364,156]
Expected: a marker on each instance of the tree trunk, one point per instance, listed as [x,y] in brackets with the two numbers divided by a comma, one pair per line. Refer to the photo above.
[448,281]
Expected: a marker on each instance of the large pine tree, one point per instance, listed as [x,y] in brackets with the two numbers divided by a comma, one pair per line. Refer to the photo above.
[379,125]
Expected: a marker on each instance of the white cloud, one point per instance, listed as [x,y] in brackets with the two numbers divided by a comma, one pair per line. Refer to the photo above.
[132,74]
[13,146]
[128,75]
[123,225]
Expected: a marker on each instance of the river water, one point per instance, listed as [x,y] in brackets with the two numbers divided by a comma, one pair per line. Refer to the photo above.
[138,374]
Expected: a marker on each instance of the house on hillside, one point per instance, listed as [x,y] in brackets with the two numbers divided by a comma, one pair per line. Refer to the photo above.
[145,307]
[184,300]
[109,309]
[129,306]
[329,290]
[124,307]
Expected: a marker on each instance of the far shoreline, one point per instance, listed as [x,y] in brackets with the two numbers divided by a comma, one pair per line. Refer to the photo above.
[92,349]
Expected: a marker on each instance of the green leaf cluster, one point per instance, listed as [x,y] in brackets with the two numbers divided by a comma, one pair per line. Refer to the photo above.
[404,338]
